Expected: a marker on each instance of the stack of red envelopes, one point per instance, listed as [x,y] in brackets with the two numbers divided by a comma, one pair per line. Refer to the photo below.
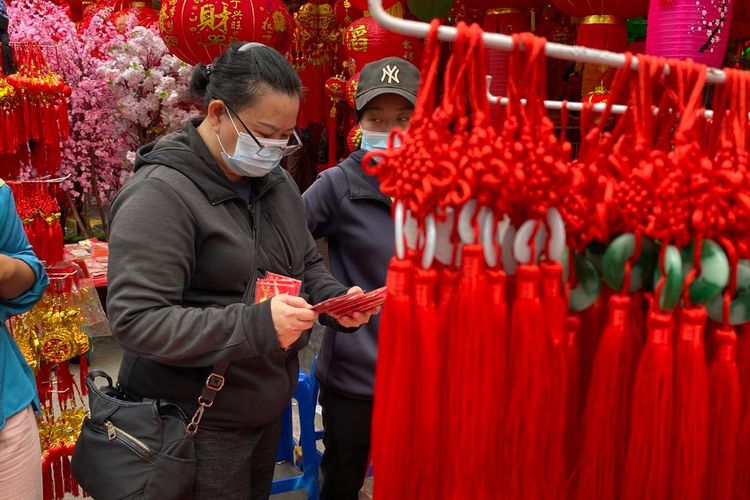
[346,305]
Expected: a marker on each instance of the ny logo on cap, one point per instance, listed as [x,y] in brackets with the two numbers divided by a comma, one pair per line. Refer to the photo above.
[390,72]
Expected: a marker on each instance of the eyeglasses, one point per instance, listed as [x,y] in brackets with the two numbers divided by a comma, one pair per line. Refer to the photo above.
[270,151]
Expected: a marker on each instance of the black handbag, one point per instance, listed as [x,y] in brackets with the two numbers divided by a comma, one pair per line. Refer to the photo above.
[131,449]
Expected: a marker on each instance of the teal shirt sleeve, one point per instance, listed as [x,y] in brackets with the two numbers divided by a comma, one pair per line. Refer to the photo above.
[17,383]
[14,243]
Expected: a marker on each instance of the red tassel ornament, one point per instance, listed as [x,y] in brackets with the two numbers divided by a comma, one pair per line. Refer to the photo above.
[690,445]
[725,404]
[392,411]
[647,470]
[606,420]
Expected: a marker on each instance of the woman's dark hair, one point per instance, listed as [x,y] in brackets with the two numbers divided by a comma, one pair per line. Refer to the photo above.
[242,74]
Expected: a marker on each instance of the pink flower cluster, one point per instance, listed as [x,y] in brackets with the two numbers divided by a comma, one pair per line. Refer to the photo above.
[126,90]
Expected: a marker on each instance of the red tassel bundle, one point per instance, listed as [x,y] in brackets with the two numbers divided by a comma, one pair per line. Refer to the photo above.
[469,407]
[555,307]
[393,408]
[647,469]
[690,445]
[725,416]
[742,468]
[527,418]
[427,396]
[606,420]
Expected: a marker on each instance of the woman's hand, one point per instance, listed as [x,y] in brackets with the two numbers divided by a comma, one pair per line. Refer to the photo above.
[359,318]
[291,317]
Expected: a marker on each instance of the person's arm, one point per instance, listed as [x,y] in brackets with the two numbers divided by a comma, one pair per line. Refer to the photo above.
[152,249]
[22,275]
[323,202]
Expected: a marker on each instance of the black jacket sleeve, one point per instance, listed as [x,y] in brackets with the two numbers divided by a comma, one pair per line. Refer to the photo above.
[153,244]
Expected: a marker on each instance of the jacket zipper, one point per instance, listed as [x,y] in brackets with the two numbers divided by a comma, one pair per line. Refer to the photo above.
[254,211]
[284,242]
[135,444]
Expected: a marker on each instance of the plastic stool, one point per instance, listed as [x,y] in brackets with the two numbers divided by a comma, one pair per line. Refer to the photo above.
[308,479]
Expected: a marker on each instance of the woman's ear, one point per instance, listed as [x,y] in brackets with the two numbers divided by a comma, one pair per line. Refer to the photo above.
[216,109]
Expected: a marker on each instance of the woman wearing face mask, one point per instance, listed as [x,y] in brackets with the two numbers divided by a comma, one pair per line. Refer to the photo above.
[345,205]
[208,211]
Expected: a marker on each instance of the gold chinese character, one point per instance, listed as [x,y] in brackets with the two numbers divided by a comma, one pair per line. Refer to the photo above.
[214,21]
[358,39]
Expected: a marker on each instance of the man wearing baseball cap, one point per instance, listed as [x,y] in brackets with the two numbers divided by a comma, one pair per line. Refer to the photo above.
[345,206]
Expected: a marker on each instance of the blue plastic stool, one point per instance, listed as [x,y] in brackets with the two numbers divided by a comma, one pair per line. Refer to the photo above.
[308,479]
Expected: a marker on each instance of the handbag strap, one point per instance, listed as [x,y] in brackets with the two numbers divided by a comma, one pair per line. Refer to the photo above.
[214,383]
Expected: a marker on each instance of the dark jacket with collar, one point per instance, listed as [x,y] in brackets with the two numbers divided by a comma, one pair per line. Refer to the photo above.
[185,252]
[345,205]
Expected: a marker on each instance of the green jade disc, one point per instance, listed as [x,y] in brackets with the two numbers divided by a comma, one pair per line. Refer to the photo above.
[672,290]
[714,272]
[739,309]
[618,252]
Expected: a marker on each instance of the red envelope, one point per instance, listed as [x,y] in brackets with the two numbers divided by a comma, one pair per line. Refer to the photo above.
[266,289]
[345,305]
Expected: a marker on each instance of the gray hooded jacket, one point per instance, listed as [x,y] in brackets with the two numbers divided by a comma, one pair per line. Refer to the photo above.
[185,251]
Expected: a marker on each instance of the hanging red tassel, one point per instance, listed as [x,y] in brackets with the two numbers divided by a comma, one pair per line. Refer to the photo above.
[574,404]
[725,416]
[47,479]
[83,371]
[606,420]
[648,461]
[427,400]
[742,468]
[593,323]
[526,422]
[497,282]
[57,474]
[467,405]
[691,408]
[555,307]
[392,401]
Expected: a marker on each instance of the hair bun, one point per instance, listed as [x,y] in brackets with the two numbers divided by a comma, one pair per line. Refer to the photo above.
[199,80]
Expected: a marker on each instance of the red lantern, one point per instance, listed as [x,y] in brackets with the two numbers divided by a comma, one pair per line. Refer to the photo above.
[197,31]
[599,95]
[366,41]
[144,16]
[740,22]
[363,6]
[346,13]
[506,17]
[351,90]
[602,25]
[336,87]
[354,139]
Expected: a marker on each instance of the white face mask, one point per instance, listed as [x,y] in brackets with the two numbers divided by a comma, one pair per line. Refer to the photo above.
[250,159]
[376,140]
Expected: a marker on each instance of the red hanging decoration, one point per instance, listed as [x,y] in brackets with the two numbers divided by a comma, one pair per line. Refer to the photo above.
[688,477]
[198,31]
[366,41]
[393,407]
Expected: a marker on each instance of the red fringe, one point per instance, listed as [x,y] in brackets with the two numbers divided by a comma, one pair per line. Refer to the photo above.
[47,478]
[606,421]
[428,405]
[725,416]
[690,441]
[742,468]
[57,473]
[574,403]
[527,421]
[555,307]
[648,461]
[468,407]
[392,402]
